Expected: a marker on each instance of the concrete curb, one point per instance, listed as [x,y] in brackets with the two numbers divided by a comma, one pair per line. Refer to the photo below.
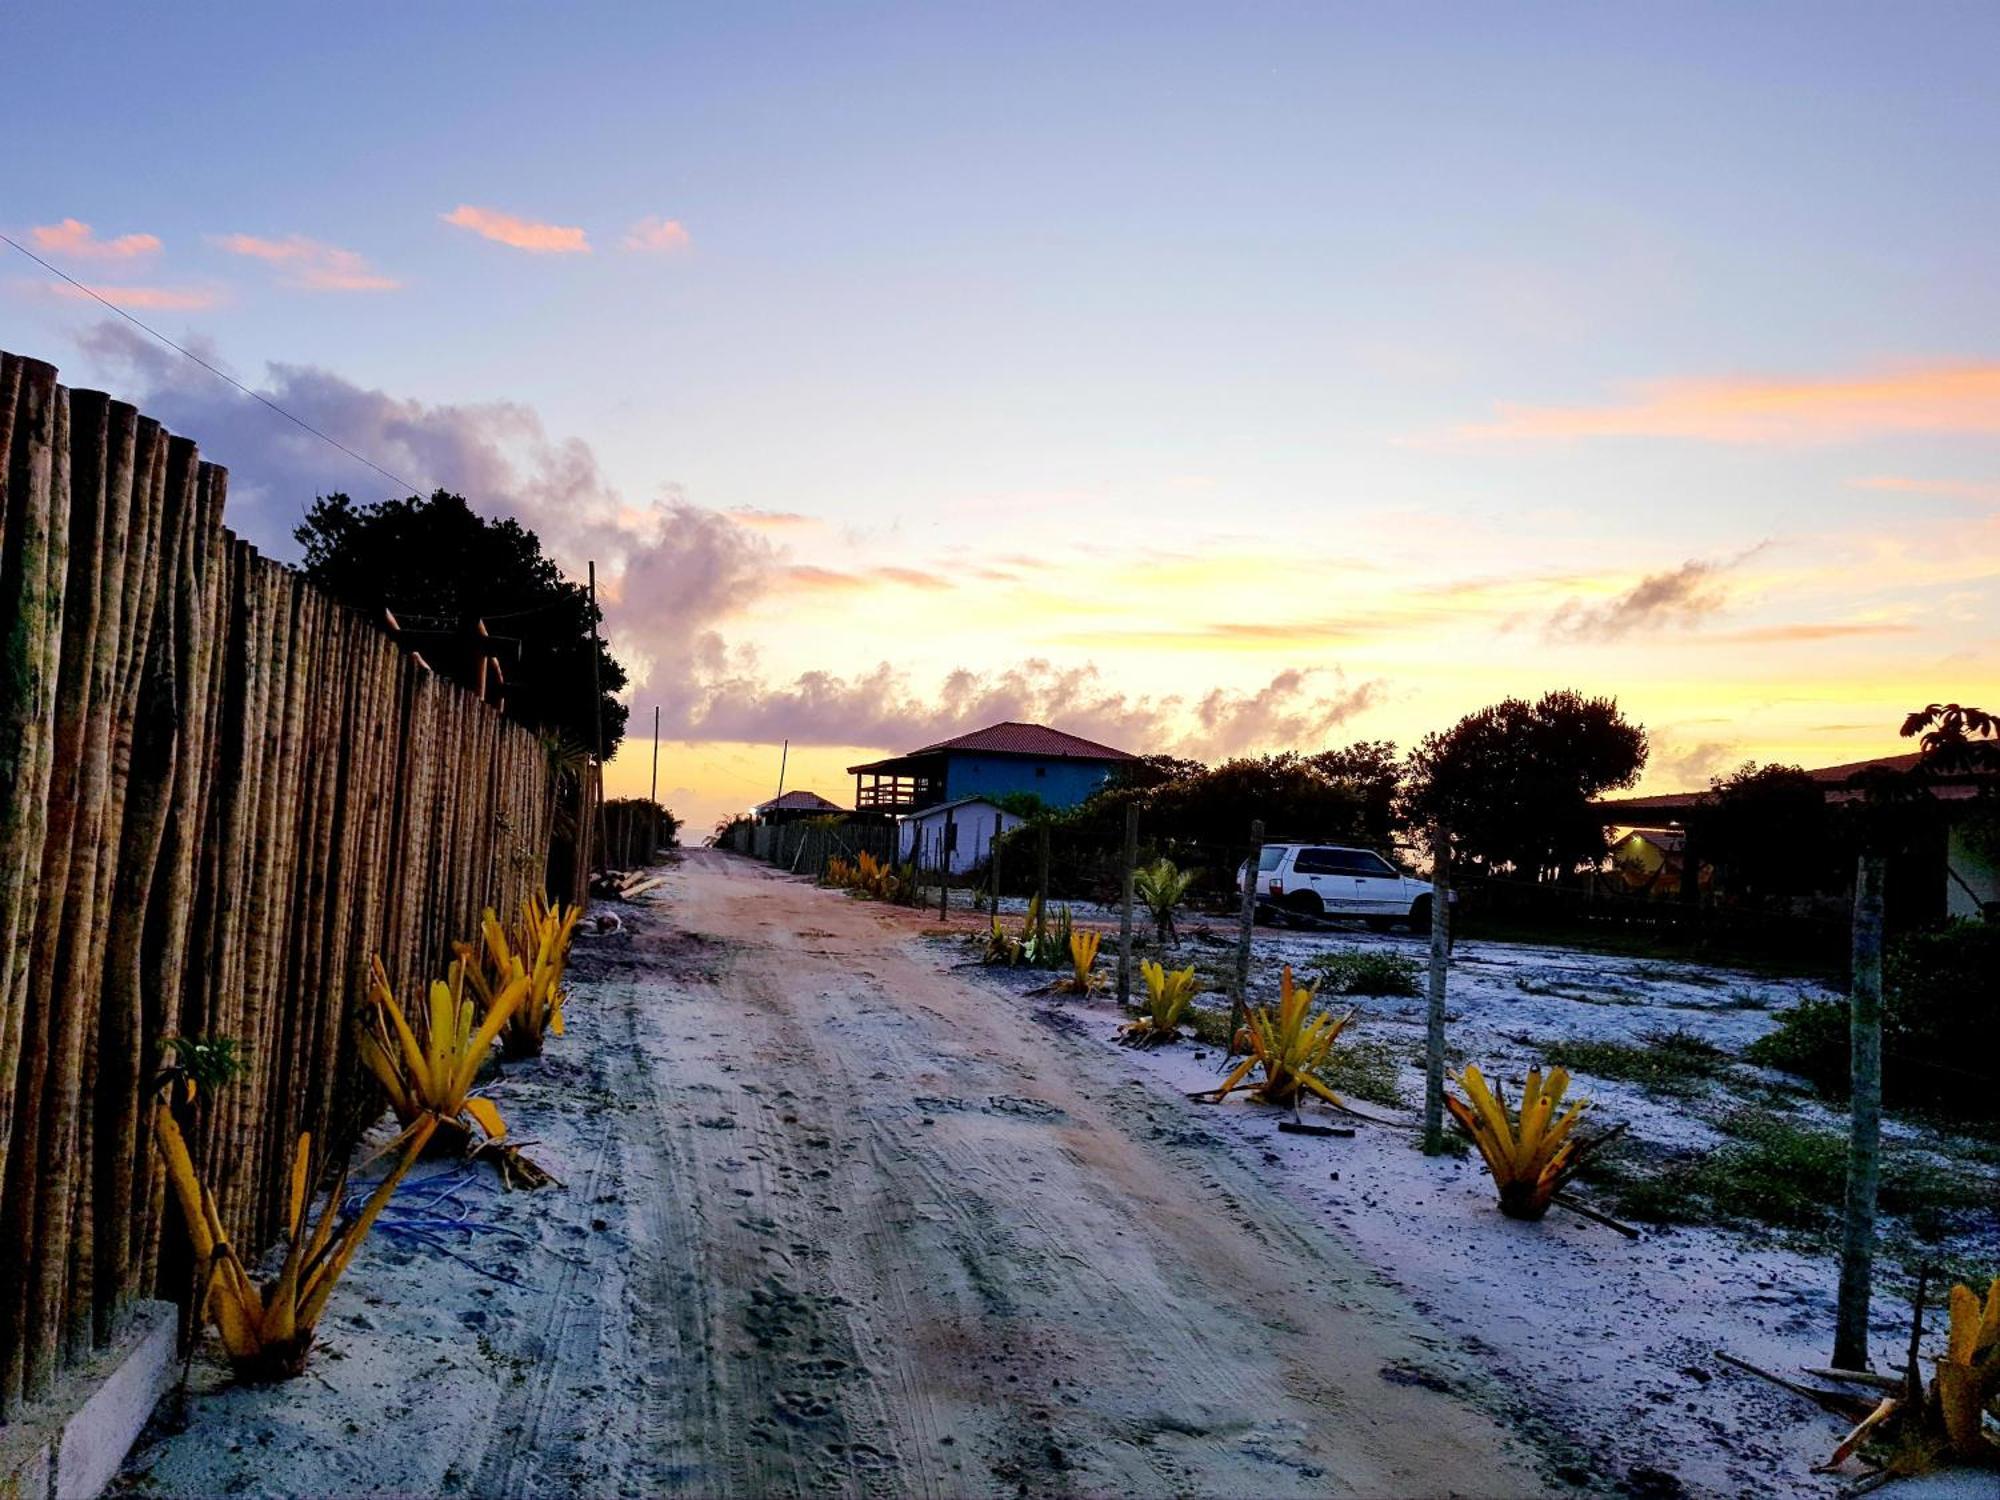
[70,1446]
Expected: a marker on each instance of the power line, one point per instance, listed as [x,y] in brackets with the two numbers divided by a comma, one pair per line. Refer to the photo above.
[187,353]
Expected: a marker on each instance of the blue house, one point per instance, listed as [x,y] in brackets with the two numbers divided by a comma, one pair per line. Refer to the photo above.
[1061,769]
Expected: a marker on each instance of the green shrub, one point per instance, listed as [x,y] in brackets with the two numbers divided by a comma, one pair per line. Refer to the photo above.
[1366,971]
[1674,1062]
[1937,1027]
[1774,1171]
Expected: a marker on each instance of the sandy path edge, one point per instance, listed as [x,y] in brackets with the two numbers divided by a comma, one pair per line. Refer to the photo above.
[836,1220]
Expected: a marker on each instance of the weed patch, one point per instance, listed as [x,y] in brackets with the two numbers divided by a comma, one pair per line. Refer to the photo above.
[1366,1069]
[1776,1173]
[1364,971]
[1668,1062]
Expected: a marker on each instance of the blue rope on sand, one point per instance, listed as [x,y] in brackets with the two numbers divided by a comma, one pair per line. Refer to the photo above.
[440,1220]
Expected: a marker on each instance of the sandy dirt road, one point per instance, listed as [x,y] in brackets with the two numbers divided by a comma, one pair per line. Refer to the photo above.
[871,1231]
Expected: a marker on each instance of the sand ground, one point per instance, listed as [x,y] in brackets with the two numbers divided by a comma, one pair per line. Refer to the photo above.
[837,1219]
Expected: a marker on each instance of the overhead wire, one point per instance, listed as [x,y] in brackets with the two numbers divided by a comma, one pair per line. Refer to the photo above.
[187,353]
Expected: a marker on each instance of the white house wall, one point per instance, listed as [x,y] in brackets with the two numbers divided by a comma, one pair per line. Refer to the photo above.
[922,833]
[1973,883]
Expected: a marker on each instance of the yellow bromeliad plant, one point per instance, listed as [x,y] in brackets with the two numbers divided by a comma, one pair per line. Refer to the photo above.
[1083,946]
[1532,1151]
[268,1331]
[1291,1044]
[538,948]
[427,1066]
[1168,996]
[1968,1377]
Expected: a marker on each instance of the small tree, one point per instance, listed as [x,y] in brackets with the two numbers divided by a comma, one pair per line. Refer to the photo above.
[1514,782]
[1769,829]
[440,569]
[1160,888]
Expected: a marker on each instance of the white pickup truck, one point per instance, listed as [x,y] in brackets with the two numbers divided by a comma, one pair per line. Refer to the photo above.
[1332,880]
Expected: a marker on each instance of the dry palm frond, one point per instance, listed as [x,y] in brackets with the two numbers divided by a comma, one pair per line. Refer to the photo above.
[1168,996]
[269,1331]
[1291,1044]
[1531,1152]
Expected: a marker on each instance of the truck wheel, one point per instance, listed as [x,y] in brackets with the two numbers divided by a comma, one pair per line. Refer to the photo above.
[1420,915]
[1306,903]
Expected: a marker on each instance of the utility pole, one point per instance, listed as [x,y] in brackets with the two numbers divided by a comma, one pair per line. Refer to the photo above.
[654,795]
[784,755]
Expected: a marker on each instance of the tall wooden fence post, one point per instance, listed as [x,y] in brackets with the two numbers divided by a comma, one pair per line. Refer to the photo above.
[994,848]
[946,841]
[1434,1011]
[1864,1153]
[1125,905]
[1041,885]
[1245,921]
[597,718]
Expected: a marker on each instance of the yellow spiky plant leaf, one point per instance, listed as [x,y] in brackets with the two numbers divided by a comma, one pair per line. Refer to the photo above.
[1291,1043]
[268,1331]
[1531,1151]
[1968,1377]
[1168,996]
[537,948]
[1083,946]
[427,1068]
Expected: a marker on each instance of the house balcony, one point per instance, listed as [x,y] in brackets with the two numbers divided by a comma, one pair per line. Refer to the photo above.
[902,785]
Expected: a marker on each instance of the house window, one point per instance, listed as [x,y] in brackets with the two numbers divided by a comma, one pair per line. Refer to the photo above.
[1041,770]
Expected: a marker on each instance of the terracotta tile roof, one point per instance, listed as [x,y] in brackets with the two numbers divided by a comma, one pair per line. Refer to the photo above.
[799,802]
[1027,739]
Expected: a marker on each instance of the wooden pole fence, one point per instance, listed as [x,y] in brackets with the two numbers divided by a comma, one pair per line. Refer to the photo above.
[221,793]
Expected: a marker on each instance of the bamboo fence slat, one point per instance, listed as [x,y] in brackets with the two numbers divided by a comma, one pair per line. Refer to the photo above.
[220,793]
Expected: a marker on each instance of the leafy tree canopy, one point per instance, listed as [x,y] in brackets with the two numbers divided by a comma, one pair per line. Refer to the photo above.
[439,568]
[1770,829]
[1513,783]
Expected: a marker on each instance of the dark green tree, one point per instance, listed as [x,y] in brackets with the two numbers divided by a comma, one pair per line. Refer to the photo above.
[440,568]
[1513,783]
[1770,831]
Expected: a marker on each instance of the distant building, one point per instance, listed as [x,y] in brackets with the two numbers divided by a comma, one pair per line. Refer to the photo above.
[1061,769]
[794,807]
[1647,861]
[963,830]
[1948,871]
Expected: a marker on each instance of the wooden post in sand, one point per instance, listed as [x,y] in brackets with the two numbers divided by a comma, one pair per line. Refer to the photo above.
[945,842]
[1434,1014]
[1864,1157]
[993,849]
[1246,920]
[1125,906]
[1041,885]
